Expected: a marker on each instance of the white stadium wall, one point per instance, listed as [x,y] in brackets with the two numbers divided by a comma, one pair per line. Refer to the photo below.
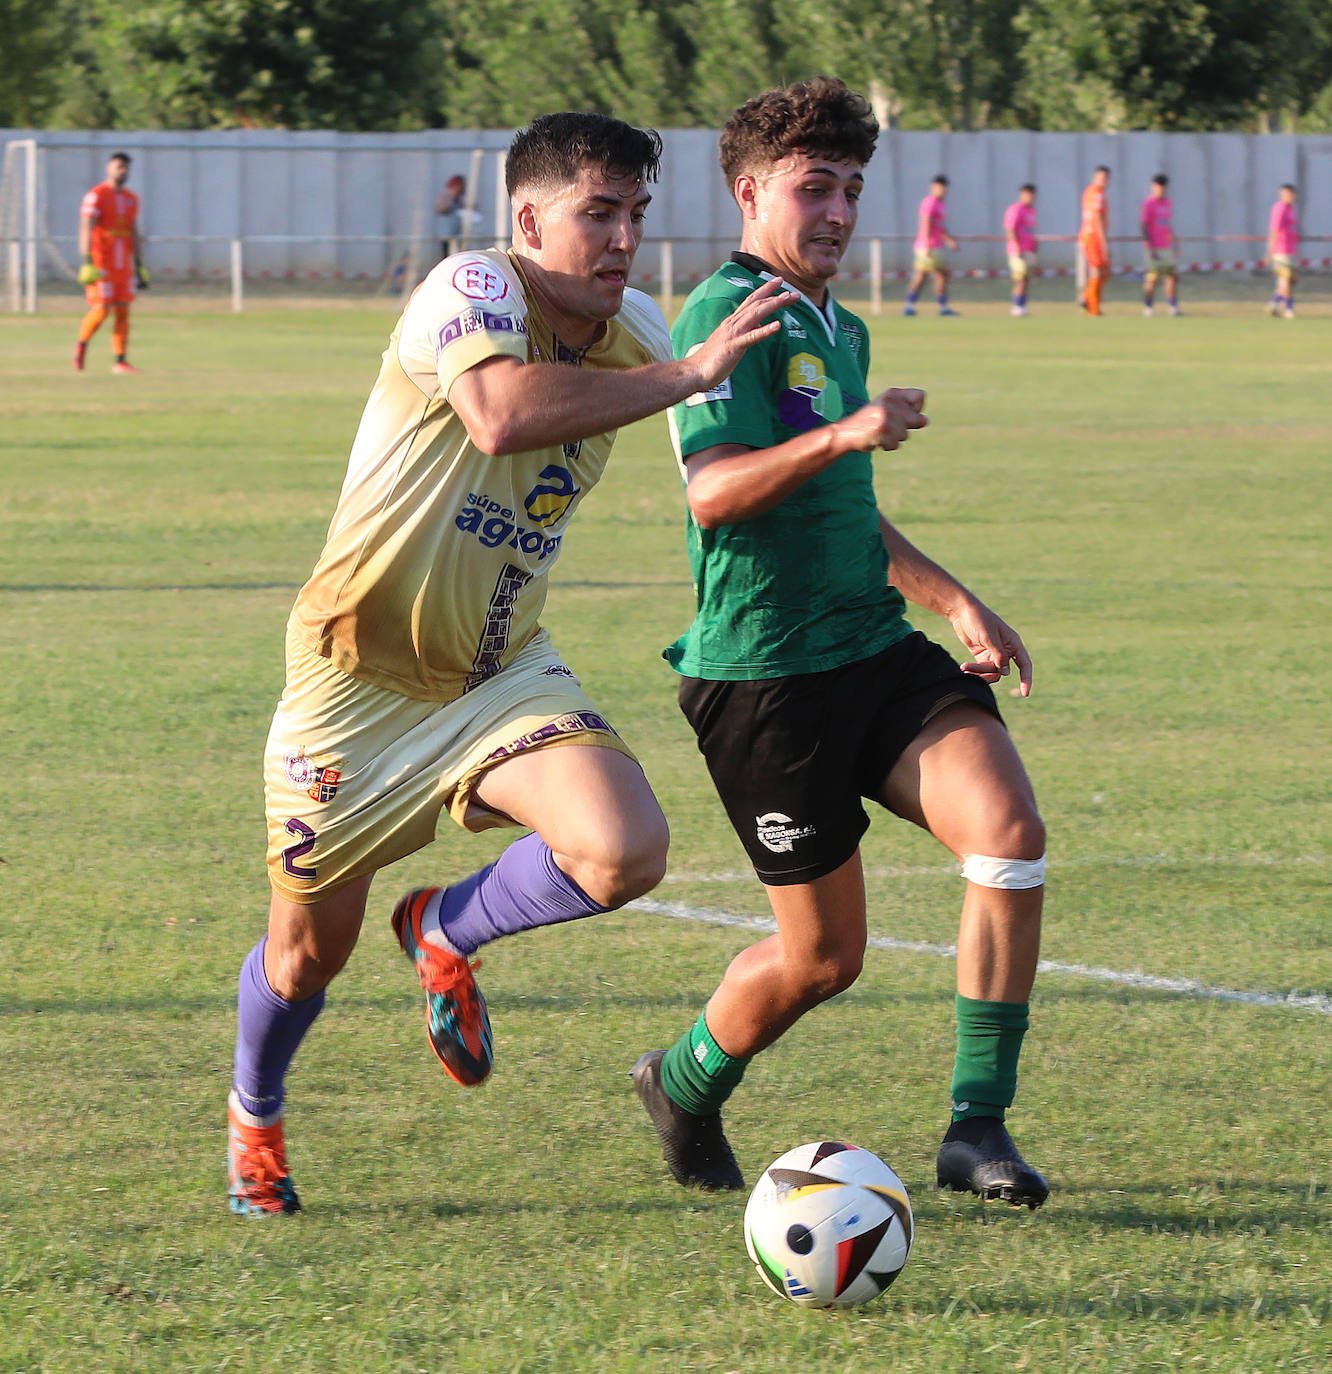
[344,205]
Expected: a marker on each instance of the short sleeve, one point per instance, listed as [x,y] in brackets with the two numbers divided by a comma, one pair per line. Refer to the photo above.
[467,310]
[741,409]
[92,205]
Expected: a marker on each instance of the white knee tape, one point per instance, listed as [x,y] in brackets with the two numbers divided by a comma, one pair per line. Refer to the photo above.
[1007,873]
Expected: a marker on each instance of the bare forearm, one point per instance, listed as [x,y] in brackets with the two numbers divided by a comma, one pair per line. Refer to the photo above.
[85,238]
[920,579]
[742,483]
[520,407]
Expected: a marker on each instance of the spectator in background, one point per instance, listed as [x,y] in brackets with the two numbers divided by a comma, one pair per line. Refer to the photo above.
[1020,241]
[1283,245]
[932,237]
[449,207]
[1159,246]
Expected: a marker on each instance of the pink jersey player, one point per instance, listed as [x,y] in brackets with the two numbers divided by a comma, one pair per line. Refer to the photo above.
[1156,218]
[932,224]
[1020,227]
[1283,228]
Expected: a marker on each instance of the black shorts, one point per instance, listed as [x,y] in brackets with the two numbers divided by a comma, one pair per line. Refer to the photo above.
[792,757]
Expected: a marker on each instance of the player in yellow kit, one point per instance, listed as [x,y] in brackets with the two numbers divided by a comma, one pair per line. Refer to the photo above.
[418,675]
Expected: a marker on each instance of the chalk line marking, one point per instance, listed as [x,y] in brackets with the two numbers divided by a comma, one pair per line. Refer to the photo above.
[1316,1002]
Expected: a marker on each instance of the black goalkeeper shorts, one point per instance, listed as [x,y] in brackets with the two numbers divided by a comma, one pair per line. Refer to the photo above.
[792,757]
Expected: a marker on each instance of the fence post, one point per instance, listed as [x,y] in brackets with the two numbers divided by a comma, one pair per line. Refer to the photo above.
[876,276]
[667,275]
[237,277]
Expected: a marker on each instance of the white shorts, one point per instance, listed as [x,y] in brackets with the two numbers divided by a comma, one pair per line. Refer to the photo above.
[1158,260]
[930,260]
[355,776]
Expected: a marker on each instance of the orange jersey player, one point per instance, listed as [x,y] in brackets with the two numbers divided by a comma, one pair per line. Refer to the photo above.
[109,245]
[1094,239]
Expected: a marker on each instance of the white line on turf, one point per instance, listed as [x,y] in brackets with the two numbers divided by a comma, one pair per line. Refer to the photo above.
[1316,1002]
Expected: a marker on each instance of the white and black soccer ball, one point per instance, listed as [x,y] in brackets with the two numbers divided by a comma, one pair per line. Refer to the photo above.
[829,1225]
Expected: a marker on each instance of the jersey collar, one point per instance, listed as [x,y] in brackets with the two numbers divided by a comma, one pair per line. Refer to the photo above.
[756,265]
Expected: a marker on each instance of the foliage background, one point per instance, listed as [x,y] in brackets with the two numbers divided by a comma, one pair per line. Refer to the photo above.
[927,64]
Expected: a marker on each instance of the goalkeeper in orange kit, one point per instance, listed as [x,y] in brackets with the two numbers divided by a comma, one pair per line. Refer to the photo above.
[109,245]
[1094,239]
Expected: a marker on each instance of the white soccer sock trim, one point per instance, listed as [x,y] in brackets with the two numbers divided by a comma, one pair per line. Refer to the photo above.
[1011,874]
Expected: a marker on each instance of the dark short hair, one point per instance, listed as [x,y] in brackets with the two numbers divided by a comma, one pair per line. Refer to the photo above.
[1028,186]
[120,157]
[1103,168]
[555,147]
[940,180]
[1287,186]
[820,117]
[1160,179]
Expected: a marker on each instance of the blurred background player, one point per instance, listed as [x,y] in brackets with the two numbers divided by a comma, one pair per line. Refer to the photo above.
[1159,246]
[1020,243]
[1283,246]
[932,237]
[419,677]
[807,688]
[112,266]
[449,207]
[1094,239]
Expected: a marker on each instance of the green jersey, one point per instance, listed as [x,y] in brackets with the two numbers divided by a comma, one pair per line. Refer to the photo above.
[803,587]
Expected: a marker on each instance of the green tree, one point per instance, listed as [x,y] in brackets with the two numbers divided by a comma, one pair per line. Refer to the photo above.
[344,64]
[35,46]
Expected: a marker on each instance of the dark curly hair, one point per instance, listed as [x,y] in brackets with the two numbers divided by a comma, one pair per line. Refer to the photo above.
[819,116]
[553,148]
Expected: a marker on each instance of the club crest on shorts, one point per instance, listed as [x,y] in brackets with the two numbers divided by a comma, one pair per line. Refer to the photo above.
[319,782]
[779,833]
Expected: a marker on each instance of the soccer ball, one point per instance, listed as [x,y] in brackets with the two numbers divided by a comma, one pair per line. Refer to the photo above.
[828,1225]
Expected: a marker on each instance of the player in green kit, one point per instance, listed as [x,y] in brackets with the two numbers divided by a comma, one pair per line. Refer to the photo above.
[807,688]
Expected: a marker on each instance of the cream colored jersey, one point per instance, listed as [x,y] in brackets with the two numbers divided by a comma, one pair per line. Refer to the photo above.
[434,572]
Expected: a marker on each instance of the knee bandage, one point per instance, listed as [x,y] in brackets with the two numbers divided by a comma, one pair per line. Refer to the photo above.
[986,871]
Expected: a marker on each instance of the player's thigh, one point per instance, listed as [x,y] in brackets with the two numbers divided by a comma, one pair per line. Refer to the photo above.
[962,780]
[581,798]
[822,922]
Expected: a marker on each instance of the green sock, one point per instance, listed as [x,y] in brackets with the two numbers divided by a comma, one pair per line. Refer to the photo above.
[698,1074]
[989,1040]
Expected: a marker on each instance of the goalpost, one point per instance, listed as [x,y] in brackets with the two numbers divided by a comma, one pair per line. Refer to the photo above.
[18,223]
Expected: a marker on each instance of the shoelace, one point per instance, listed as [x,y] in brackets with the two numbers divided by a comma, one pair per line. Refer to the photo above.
[441,973]
[262,1167]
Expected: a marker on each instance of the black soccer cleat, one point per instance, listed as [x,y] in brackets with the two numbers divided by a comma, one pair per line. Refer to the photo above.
[978,1156]
[694,1147]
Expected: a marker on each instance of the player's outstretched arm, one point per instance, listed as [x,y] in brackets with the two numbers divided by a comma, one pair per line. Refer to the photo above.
[995,647]
[514,407]
[729,483]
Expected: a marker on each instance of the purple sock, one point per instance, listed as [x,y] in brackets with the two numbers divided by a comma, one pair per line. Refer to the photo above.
[523,889]
[268,1030]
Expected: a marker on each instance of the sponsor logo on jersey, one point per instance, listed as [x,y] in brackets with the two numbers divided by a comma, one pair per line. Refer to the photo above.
[793,326]
[811,397]
[476,321]
[559,670]
[550,499]
[479,281]
[495,524]
[318,781]
[779,833]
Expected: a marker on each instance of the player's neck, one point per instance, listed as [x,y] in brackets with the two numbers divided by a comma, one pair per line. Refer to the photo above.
[576,332]
[814,291]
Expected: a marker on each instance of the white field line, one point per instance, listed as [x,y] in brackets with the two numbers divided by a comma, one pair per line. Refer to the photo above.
[1316,1002]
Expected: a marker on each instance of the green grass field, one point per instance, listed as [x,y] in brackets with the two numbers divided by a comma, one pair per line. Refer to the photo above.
[1147,500]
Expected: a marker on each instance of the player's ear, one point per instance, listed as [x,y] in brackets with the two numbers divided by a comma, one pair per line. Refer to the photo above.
[745,192]
[529,224]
